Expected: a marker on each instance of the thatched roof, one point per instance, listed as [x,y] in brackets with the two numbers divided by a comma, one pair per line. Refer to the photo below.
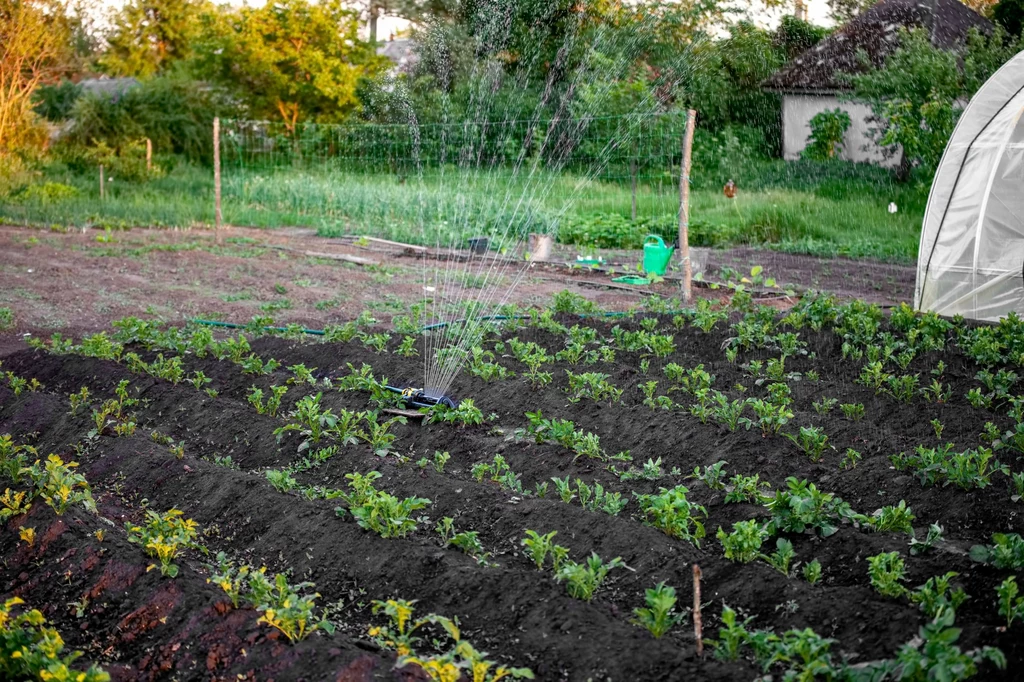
[874,34]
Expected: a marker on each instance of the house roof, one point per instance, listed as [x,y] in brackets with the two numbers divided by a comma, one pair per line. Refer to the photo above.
[874,34]
[401,51]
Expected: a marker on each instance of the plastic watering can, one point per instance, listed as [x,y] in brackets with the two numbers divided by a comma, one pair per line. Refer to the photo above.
[656,255]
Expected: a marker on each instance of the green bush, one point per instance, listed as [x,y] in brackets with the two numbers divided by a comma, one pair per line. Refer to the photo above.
[827,130]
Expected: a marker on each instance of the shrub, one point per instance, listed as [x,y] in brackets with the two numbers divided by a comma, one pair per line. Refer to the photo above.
[827,130]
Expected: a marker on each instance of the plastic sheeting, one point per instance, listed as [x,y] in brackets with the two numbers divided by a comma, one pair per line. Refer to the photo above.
[971,257]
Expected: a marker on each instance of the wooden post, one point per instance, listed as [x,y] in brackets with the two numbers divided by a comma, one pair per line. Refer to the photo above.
[216,180]
[684,207]
[698,623]
[103,193]
[632,177]
[149,155]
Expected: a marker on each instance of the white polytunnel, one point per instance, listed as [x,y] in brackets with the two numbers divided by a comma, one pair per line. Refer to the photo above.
[971,257]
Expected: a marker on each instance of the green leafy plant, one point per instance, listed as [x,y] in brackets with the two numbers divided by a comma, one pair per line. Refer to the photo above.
[850,459]
[281,480]
[887,571]
[287,608]
[539,546]
[378,434]
[592,385]
[670,511]
[583,579]
[659,615]
[892,518]
[812,571]
[853,411]
[163,536]
[743,544]
[1006,551]
[935,595]
[381,512]
[310,420]
[933,536]
[782,557]
[273,403]
[30,650]
[801,506]
[1010,605]
[811,440]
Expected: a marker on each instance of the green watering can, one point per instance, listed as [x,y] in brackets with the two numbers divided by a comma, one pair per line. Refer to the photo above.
[656,255]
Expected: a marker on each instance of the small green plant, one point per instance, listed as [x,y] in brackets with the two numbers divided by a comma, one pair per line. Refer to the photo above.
[539,547]
[30,650]
[811,440]
[273,403]
[310,420]
[228,577]
[850,459]
[162,536]
[825,405]
[592,385]
[713,476]
[583,579]
[670,511]
[743,544]
[812,571]
[466,414]
[1006,551]
[58,484]
[659,615]
[1010,605]
[936,595]
[887,571]
[288,608]
[381,512]
[932,537]
[891,518]
[281,480]
[853,411]
[79,399]
[782,557]
[378,434]
[440,460]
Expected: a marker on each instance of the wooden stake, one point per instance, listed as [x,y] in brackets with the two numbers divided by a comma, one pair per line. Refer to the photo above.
[216,180]
[149,155]
[102,189]
[632,174]
[698,623]
[684,208]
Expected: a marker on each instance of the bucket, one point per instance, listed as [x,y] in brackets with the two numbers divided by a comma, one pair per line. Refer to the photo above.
[479,245]
[539,246]
[656,255]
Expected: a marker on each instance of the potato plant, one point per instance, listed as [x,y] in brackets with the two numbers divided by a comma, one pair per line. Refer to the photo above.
[163,536]
[659,615]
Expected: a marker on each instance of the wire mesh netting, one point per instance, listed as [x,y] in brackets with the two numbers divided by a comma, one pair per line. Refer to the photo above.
[431,183]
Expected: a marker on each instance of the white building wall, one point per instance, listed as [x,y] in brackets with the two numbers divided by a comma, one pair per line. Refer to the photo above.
[797,112]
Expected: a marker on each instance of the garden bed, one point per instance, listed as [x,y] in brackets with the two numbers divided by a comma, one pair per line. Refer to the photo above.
[143,625]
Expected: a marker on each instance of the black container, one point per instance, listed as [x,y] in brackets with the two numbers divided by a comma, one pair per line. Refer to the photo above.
[479,245]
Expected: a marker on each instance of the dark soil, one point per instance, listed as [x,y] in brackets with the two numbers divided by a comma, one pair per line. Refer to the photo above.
[140,625]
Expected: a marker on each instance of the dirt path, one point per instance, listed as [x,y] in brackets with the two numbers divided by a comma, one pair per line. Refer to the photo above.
[67,283]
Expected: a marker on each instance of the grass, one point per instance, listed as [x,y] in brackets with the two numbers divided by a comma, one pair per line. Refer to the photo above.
[827,209]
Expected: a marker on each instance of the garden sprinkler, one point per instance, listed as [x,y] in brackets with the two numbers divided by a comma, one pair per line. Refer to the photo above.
[426,397]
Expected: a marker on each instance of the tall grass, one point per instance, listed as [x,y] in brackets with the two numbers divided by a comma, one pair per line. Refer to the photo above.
[827,209]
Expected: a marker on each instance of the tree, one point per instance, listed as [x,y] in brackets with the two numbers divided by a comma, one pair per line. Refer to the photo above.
[33,51]
[148,36]
[416,11]
[291,60]
[841,11]
[1010,15]
[918,95]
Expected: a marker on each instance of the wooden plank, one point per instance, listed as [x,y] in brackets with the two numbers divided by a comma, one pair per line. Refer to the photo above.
[377,240]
